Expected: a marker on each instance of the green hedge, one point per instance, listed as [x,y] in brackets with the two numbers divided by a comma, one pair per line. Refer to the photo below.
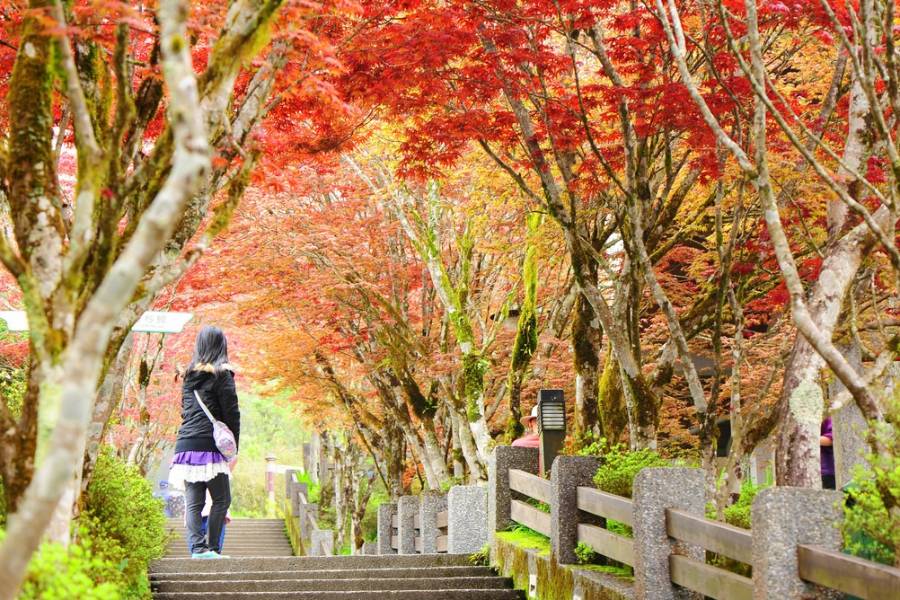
[121,529]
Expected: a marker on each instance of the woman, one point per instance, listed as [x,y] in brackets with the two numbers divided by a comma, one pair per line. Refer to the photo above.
[198,467]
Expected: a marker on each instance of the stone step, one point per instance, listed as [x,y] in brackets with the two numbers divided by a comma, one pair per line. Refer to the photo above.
[232,553]
[332,585]
[238,540]
[444,593]
[296,563]
[382,573]
[244,539]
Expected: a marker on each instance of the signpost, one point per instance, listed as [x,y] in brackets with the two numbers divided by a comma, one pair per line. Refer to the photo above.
[15,320]
[150,321]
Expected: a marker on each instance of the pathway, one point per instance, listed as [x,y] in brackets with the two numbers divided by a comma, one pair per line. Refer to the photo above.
[262,568]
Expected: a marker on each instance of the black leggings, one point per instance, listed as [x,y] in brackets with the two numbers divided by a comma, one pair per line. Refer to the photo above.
[194,498]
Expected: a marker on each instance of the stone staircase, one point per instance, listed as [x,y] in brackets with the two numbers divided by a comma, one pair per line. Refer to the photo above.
[243,537]
[262,568]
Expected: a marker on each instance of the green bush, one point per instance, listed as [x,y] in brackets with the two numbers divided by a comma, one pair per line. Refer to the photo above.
[870,529]
[738,514]
[123,522]
[58,573]
[620,465]
[585,555]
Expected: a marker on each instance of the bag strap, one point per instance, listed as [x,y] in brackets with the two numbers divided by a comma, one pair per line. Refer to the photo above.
[203,406]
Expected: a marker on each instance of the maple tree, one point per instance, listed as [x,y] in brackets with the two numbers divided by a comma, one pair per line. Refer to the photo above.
[425,211]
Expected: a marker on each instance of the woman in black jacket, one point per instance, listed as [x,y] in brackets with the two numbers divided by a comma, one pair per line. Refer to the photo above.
[198,466]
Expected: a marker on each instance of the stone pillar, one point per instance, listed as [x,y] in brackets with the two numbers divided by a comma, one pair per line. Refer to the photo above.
[386,514]
[783,518]
[307,450]
[567,474]
[848,426]
[297,489]
[288,482]
[407,511]
[321,542]
[270,481]
[762,462]
[655,490]
[430,504]
[467,519]
[502,459]
[305,511]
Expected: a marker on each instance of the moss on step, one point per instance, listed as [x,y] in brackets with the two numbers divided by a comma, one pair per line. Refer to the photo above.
[518,553]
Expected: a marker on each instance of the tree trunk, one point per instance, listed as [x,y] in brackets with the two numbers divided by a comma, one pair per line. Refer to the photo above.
[18,444]
[586,341]
[613,412]
[108,397]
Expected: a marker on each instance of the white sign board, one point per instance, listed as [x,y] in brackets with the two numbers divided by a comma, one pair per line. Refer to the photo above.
[150,322]
[15,319]
[162,322]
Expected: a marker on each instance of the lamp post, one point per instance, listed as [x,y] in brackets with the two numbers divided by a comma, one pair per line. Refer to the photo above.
[552,426]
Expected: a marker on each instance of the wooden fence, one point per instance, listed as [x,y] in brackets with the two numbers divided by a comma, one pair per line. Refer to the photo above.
[815,564]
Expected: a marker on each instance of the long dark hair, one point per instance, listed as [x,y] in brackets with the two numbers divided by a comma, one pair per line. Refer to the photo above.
[211,351]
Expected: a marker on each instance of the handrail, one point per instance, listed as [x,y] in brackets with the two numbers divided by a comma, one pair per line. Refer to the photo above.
[530,485]
[605,505]
[714,536]
[530,516]
[849,574]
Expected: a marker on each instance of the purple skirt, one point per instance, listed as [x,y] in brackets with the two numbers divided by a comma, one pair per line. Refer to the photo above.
[194,466]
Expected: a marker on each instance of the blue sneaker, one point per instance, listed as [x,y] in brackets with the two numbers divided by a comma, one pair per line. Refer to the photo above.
[207,554]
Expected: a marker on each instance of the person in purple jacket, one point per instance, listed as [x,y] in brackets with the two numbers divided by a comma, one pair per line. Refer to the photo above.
[826,441]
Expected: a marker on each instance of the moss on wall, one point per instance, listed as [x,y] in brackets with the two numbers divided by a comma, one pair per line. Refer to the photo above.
[514,551]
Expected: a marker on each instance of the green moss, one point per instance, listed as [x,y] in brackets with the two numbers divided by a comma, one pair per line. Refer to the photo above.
[624,572]
[527,539]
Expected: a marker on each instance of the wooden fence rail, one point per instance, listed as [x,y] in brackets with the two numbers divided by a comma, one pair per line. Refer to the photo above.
[699,547]
[849,574]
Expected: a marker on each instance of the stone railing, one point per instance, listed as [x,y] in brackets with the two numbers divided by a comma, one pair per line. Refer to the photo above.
[301,520]
[434,523]
[793,548]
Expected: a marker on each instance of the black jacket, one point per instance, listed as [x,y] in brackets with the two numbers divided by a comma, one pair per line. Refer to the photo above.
[220,397]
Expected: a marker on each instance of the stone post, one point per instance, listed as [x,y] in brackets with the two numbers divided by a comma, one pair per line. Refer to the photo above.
[298,489]
[567,474]
[467,519]
[655,490]
[288,482]
[407,511]
[431,503]
[386,514]
[369,548]
[502,459]
[305,511]
[321,542]
[783,518]
[762,462]
[307,450]
[848,426]
[270,482]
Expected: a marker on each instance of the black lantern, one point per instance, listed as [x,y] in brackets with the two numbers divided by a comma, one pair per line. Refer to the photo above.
[552,425]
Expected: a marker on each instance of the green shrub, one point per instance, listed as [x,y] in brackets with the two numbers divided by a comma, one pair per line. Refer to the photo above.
[482,558]
[738,514]
[620,465]
[870,529]
[58,573]
[123,522]
[585,555]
